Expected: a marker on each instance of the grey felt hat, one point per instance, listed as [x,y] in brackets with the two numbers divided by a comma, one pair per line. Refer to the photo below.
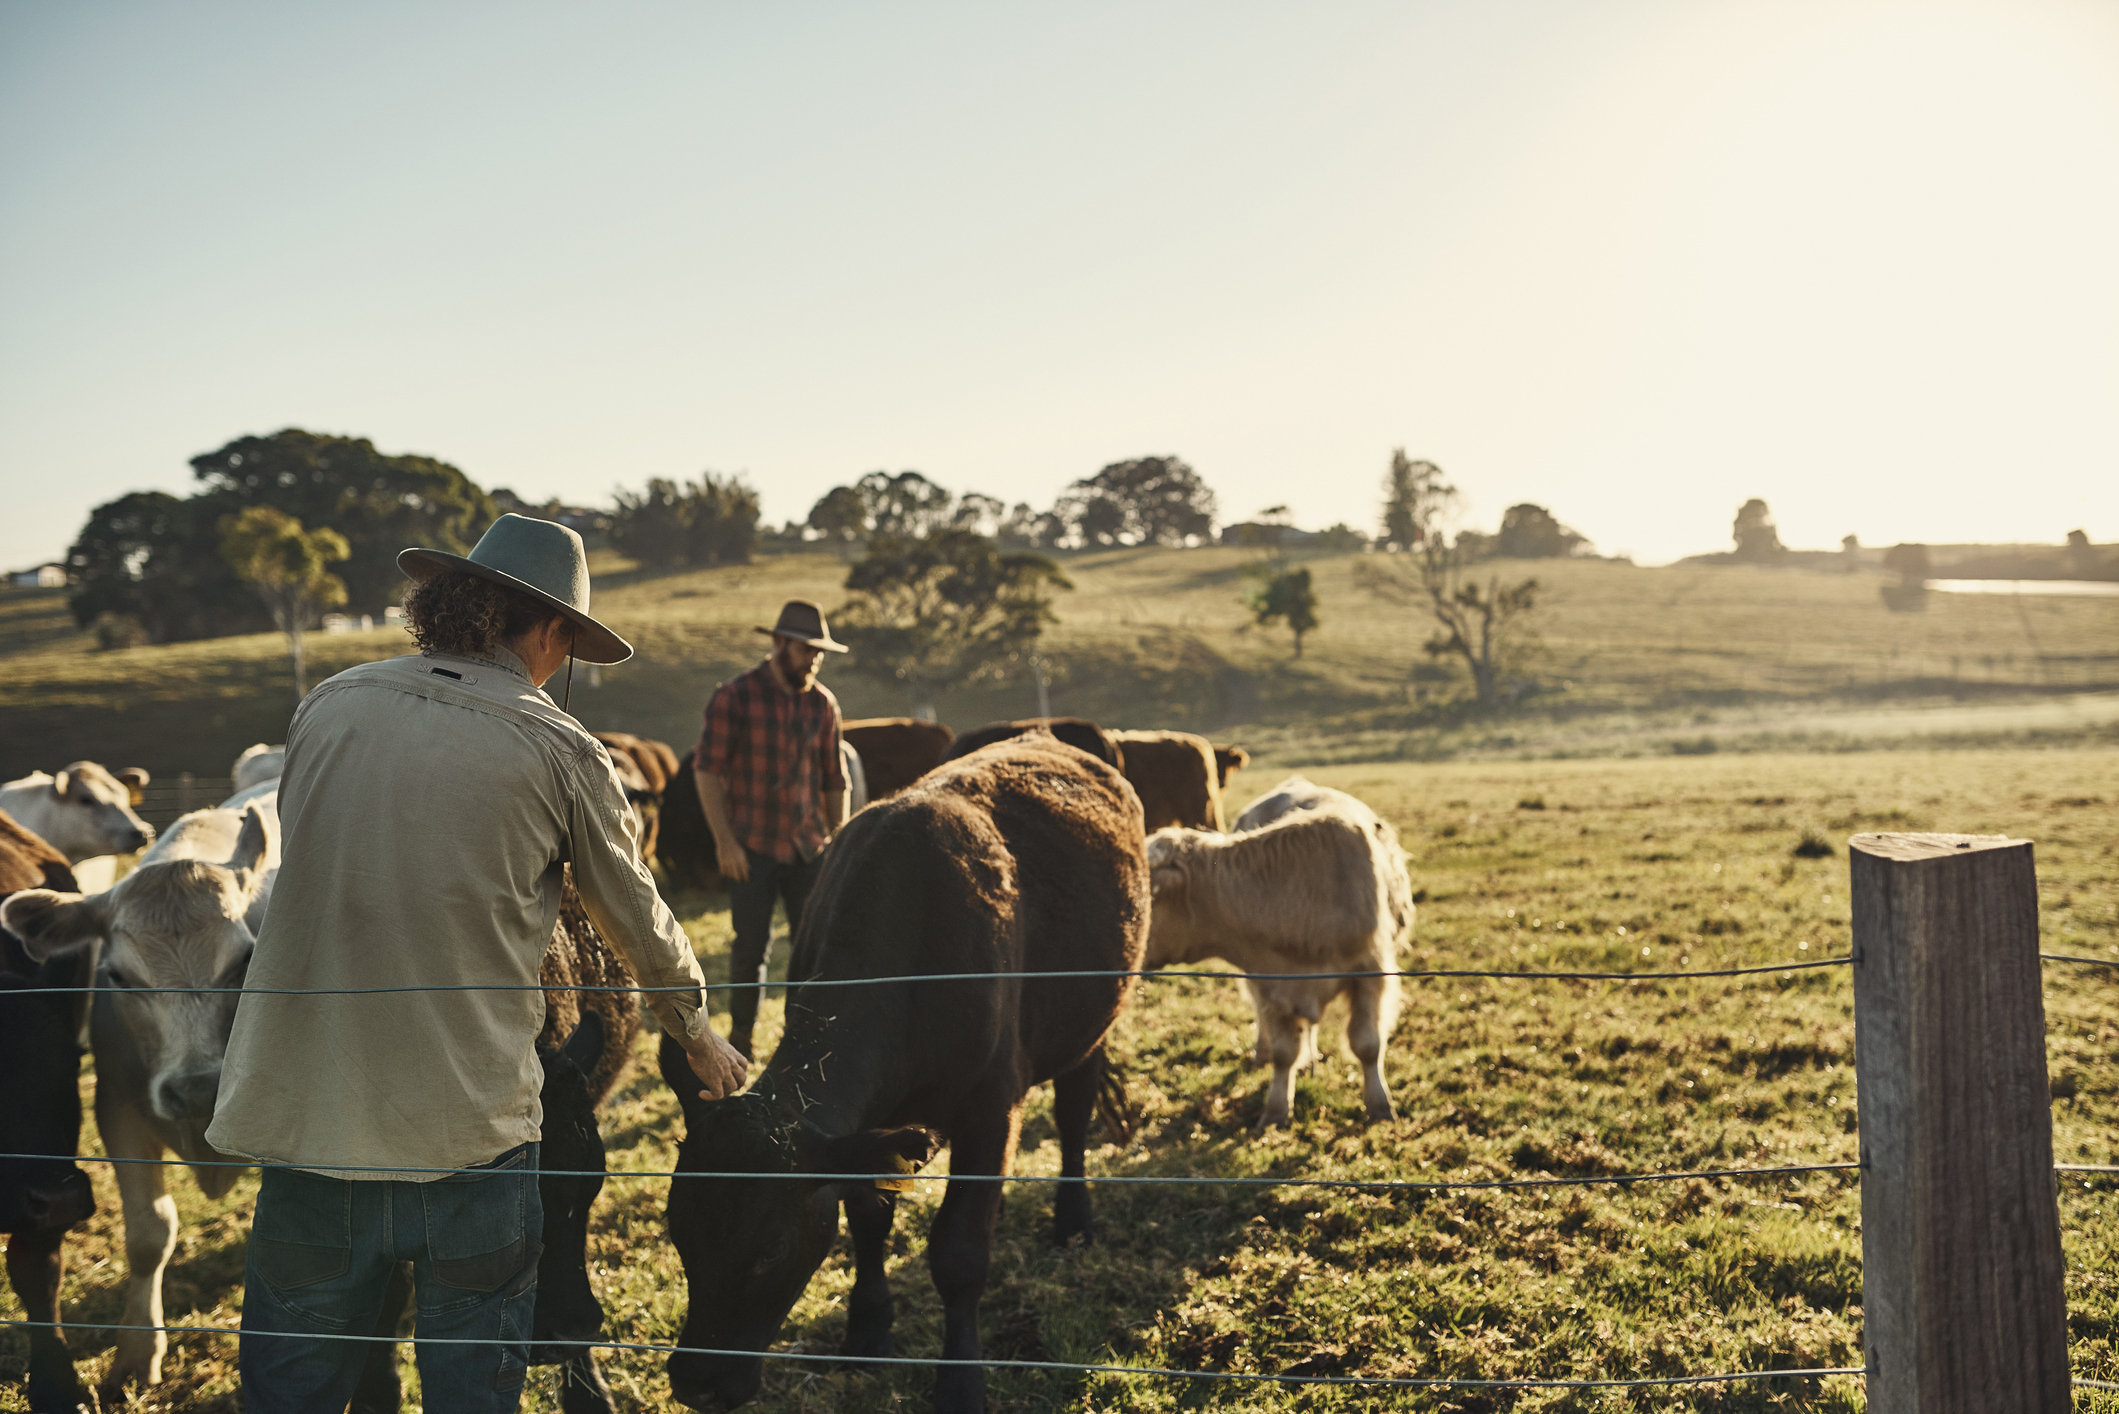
[540,558]
[803,621]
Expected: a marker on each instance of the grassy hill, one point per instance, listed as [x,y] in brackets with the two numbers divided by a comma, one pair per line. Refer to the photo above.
[1629,660]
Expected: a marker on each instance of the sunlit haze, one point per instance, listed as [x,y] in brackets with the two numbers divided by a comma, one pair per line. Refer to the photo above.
[1635,262]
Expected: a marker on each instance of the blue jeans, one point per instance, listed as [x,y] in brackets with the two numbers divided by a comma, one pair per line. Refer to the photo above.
[750,911]
[321,1253]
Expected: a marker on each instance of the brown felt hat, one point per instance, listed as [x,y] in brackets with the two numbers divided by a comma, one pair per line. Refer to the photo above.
[540,558]
[803,621]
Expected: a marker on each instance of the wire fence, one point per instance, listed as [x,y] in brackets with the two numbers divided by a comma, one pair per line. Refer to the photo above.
[1265,1182]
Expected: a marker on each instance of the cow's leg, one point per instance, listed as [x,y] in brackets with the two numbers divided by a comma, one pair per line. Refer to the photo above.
[1073,1105]
[380,1391]
[36,1264]
[1284,1031]
[1364,1037]
[869,1314]
[581,1386]
[150,1238]
[960,1248]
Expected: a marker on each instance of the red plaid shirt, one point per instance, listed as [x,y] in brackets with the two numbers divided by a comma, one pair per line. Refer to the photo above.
[777,752]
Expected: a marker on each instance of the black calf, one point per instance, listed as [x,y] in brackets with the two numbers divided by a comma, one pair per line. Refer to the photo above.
[40,1113]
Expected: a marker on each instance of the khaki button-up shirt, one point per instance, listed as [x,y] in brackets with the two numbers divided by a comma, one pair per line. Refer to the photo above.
[427,806]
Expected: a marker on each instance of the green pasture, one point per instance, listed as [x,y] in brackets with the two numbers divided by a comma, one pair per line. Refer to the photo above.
[1609,864]
[1623,661]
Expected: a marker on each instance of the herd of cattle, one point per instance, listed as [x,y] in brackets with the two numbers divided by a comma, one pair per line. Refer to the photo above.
[1047,846]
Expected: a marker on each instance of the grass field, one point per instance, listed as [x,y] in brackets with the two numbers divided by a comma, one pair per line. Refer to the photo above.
[1684,861]
[1627,661]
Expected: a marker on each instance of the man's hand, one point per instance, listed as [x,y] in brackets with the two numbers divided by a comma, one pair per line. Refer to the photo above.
[720,1067]
[735,864]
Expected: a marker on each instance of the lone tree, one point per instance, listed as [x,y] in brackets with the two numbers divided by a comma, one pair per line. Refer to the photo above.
[1756,537]
[286,565]
[1146,501]
[1482,624]
[944,608]
[1407,487]
[1280,592]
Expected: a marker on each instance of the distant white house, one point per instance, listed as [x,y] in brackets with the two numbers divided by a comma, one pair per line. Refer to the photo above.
[347,623]
[42,577]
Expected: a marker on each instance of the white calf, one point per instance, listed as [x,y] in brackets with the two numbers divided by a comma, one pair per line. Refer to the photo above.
[1321,889]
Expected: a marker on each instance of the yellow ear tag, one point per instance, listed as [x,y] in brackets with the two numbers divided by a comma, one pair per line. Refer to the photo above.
[903,1165]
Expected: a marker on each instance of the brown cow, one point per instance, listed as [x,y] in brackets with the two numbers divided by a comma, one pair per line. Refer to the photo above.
[1174,774]
[1077,732]
[896,751]
[655,765]
[1025,858]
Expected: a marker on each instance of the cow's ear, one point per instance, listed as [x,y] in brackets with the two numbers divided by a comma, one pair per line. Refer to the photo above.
[135,780]
[251,845]
[876,1151]
[1166,879]
[49,923]
[585,1047]
[60,781]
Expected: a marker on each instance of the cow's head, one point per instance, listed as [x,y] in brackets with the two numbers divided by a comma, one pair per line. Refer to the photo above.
[571,1152]
[1228,760]
[750,1244]
[1171,936]
[171,924]
[85,811]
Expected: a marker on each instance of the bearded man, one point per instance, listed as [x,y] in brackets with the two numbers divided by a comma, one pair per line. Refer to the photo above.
[770,784]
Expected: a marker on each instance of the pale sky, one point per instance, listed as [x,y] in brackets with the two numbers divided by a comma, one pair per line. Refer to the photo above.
[1633,261]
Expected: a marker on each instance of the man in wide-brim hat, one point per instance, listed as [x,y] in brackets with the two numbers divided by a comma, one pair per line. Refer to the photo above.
[425,808]
[769,780]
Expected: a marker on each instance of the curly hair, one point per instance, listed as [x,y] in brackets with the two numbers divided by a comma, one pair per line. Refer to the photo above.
[460,613]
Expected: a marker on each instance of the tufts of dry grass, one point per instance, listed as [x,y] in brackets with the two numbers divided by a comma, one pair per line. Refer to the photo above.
[1688,862]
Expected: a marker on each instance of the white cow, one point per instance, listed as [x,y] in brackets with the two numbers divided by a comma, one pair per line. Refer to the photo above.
[83,811]
[1322,888]
[186,917]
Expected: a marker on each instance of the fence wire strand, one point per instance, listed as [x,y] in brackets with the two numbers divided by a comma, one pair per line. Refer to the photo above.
[1369,1185]
[938,1362]
[2091,961]
[1152,974]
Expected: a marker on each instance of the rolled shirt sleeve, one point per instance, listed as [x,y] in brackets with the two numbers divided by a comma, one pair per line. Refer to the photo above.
[620,896]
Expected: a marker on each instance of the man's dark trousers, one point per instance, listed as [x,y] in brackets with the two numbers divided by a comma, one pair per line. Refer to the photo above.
[322,1251]
[750,909]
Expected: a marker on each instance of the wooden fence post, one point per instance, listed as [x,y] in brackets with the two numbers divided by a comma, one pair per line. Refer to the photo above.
[1962,1299]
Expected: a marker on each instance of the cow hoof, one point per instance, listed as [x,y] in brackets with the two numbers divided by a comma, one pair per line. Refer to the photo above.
[62,1396]
[582,1390]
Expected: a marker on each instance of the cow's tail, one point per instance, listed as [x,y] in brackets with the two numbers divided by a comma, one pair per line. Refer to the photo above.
[1113,1105]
